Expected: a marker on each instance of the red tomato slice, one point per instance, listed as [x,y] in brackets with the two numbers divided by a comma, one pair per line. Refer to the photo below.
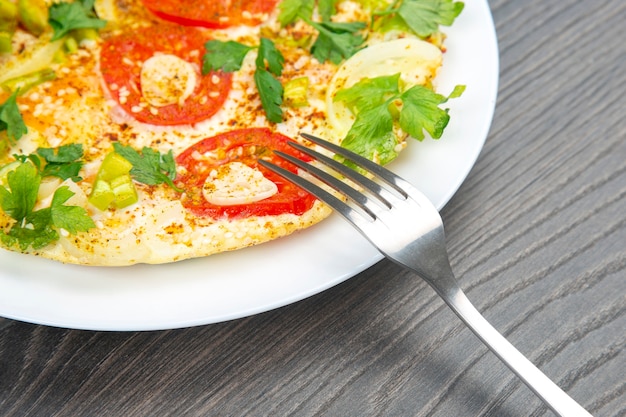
[121,58]
[212,13]
[246,146]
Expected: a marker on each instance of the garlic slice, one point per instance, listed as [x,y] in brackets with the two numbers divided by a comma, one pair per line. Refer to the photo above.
[167,79]
[237,183]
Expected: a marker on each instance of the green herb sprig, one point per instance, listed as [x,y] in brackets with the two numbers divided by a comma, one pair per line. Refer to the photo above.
[380,103]
[421,17]
[65,17]
[150,167]
[335,41]
[229,56]
[38,228]
[63,162]
[11,119]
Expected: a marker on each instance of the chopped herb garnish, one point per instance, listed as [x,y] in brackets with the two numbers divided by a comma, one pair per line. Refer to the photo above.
[150,167]
[38,228]
[11,119]
[292,10]
[379,104]
[269,65]
[335,41]
[224,56]
[63,162]
[422,17]
[229,56]
[65,17]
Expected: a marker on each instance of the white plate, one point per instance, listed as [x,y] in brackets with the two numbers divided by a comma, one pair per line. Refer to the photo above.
[249,281]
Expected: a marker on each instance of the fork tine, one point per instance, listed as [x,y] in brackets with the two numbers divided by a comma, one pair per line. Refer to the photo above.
[376,190]
[341,207]
[387,176]
[361,200]
[398,184]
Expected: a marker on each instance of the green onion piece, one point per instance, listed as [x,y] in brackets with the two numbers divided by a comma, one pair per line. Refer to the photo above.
[6,45]
[8,15]
[84,34]
[70,44]
[28,81]
[296,91]
[34,15]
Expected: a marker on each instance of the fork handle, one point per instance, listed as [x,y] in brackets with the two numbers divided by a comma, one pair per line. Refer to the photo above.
[553,396]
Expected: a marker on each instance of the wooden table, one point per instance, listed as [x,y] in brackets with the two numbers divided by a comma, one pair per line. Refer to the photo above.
[537,235]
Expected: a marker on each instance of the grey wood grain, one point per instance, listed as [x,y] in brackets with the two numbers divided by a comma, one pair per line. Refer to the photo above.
[537,236]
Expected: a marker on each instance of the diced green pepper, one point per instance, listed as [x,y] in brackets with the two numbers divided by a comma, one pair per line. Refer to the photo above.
[124,190]
[113,166]
[113,185]
[101,195]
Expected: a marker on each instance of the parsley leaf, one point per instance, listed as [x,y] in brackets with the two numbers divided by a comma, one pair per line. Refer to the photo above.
[269,63]
[150,166]
[422,17]
[268,54]
[372,135]
[37,234]
[74,219]
[326,9]
[336,41]
[271,94]
[225,56]
[37,229]
[65,17]
[63,162]
[379,105]
[11,119]
[369,92]
[291,10]
[24,184]
[229,56]
[420,111]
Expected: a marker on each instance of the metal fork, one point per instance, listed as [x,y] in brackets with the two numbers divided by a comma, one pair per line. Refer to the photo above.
[404,225]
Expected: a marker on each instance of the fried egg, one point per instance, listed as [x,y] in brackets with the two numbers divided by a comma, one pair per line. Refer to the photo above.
[78,108]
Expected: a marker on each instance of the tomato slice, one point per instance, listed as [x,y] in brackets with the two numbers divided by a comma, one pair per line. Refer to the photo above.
[212,13]
[246,146]
[121,60]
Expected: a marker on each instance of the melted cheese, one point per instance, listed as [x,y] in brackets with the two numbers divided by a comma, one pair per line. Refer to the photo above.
[237,183]
[167,79]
